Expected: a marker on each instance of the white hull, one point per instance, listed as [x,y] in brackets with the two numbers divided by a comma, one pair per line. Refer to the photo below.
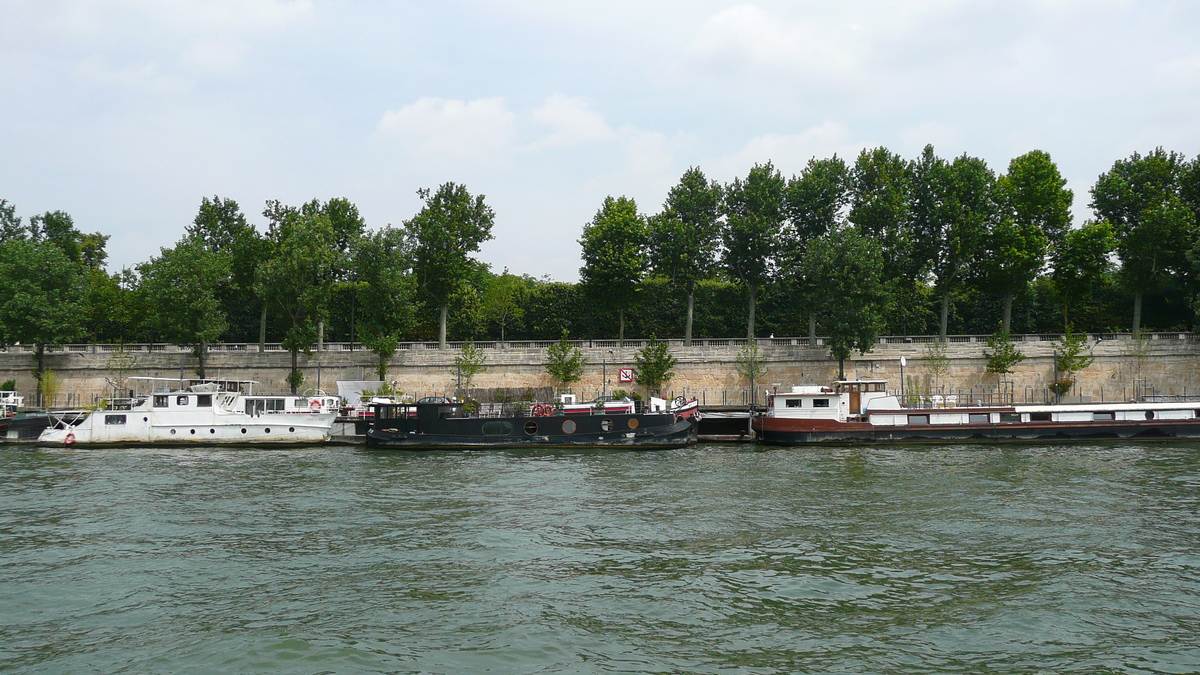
[202,418]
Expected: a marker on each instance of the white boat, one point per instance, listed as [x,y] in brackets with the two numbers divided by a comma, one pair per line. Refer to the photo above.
[202,413]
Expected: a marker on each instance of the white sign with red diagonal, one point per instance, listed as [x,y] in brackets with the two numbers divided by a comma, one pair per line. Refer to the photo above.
[625,374]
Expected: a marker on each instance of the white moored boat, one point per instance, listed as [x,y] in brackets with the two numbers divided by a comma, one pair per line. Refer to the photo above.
[204,413]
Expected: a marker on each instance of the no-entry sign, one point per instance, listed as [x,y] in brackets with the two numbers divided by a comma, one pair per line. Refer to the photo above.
[625,374]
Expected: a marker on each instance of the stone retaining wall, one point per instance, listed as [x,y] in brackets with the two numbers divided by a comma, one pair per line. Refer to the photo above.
[1163,366]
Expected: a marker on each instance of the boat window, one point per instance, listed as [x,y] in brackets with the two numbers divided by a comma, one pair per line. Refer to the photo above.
[820,403]
[114,419]
[1039,417]
[276,404]
[980,418]
[161,401]
[918,419]
[1010,417]
[633,422]
[531,427]
[606,425]
[1099,416]
[255,406]
[204,401]
[496,428]
[793,402]
[569,427]
[1149,414]
[181,400]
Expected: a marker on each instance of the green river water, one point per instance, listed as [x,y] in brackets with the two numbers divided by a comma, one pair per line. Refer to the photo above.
[711,559]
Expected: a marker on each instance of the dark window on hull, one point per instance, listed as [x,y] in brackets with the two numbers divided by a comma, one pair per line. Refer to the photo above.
[980,418]
[114,419]
[918,419]
[1010,417]
[497,428]
[1039,417]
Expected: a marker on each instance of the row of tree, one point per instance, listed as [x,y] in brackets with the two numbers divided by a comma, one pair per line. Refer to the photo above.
[848,250]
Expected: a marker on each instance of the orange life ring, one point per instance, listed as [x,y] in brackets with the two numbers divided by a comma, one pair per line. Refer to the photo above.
[536,411]
[70,439]
[314,405]
[547,410]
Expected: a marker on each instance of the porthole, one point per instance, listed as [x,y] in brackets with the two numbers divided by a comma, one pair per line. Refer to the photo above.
[193,432]
[145,419]
[569,427]
[172,432]
[606,425]
[267,430]
[292,429]
[212,431]
[531,427]
[1149,414]
[633,422]
[243,430]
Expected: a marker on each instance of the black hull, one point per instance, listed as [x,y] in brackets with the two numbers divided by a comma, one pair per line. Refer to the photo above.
[634,432]
[1024,432]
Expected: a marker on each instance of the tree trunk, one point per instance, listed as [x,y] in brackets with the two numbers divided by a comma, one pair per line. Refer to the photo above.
[292,379]
[750,323]
[442,327]
[39,354]
[320,336]
[620,329]
[262,329]
[812,328]
[1137,313]
[945,316]
[201,357]
[687,327]
[1008,297]
[841,368]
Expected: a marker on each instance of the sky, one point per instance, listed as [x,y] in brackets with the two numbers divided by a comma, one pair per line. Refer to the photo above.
[125,113]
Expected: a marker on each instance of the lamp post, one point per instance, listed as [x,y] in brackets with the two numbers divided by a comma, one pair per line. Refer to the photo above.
[903,362]
[604,375]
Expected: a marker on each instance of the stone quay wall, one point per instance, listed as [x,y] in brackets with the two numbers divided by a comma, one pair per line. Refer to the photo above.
[1163,363]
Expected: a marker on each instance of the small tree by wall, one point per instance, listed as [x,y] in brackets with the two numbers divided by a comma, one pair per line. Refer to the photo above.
[1070,357]
[1004,354]
[564,362]
[652,366]
[469,363]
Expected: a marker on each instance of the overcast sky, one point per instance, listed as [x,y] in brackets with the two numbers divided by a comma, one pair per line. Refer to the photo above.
[125,113]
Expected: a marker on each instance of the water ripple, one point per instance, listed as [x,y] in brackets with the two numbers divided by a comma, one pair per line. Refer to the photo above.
[713,559]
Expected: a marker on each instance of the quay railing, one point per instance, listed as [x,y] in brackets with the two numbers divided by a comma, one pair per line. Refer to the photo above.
[674,343]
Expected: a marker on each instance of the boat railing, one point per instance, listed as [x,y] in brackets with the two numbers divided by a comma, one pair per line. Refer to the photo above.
[958,400]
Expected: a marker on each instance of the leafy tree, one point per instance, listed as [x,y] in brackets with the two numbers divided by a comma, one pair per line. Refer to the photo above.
[1035,214]
[43,299]
[386,293]
[442,236]
[297,279]
[614,257]
[10,223]
[848,266]
[469,363]
[1153,223]
[504,299]
[814,203]
[565,362]
[754,214]
[58,228]
[1004,354]
[222,228]
[182,286]
[685,236]
[1081,263]
[1069,359]
[652,365]
[953,206]
[880,206]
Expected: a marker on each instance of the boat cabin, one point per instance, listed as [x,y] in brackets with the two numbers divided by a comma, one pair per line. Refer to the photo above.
[845,399]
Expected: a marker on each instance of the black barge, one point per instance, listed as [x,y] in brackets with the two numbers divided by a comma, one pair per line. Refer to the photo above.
[446,425]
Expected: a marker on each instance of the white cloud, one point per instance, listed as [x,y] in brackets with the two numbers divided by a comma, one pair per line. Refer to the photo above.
[747,38]
[573,120]
[790,152]
[439,129]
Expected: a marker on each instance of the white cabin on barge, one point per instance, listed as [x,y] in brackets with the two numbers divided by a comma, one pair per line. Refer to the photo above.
[845,400]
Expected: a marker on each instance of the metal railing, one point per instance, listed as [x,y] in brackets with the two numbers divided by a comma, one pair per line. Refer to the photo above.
[674,343]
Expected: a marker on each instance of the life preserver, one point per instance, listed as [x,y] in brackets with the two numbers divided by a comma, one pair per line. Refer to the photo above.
[315,405]
[536,411]
[70,439]
[547,410]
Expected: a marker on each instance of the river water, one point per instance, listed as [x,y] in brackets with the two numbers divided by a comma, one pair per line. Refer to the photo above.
[711,559]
